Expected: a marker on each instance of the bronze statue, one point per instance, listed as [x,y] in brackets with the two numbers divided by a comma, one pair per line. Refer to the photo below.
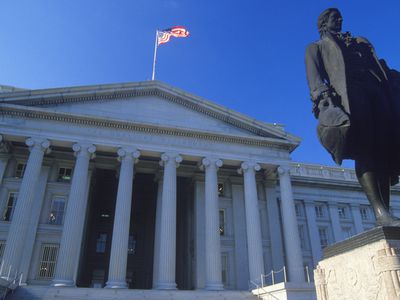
[357,105]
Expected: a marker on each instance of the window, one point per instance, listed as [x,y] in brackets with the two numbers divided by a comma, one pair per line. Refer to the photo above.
[48,258]
[64,174]
[347,232]
[19,172]
[220,189]
[323,237]
[342,212]
[131,245]
[101,243]
[302,236]
[2,247]
[298,209]
[224,268]
[319,211]
[364,211]
[9,211]
[222,222]
[56,215]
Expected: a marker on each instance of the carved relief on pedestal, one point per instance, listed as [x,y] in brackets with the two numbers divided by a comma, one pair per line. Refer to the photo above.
[369,273]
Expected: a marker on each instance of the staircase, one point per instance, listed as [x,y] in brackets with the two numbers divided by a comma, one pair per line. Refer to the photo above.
[66,293]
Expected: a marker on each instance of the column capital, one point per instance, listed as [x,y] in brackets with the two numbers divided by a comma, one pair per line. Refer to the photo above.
[354,205]
[128,153]
[332,203]
[209,161]
[309,202]
[170,157]
[84,149]
[283,170]
[248,166]
[38,143]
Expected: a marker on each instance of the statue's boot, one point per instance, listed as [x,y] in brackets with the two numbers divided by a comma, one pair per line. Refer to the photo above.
[371,188]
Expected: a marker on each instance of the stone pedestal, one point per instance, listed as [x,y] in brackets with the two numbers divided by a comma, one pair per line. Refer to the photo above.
[366,266]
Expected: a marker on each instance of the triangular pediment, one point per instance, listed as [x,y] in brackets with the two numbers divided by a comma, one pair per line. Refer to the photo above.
[149,103]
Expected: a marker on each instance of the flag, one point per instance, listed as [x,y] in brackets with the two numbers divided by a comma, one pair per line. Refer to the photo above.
[164,36]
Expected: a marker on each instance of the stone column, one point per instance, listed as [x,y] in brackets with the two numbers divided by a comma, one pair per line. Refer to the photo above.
[334,216]
[253,227]
[122,217]
[157,231]
[294,255]
[20,222]
[211,224]
[355,211]
[167,254]
[313,231]
[4,156]
[68,255]
[275,230]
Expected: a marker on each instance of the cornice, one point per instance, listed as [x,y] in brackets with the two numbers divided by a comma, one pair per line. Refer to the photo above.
[152,88]
[17,111]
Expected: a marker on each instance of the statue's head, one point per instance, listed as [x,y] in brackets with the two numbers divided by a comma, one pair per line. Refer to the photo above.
[330,20]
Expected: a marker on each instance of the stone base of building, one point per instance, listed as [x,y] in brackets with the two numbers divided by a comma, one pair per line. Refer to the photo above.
[366,266]
[71,293]
[287,291]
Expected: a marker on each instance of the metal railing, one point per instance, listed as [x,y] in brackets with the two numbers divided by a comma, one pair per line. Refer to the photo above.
[11,282]
[274,277]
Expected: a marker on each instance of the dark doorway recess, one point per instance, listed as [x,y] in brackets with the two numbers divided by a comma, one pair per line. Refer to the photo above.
[185,234]
[141,248]
[95,254]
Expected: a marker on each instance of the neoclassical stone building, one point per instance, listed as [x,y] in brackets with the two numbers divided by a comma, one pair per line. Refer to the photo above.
[144,186]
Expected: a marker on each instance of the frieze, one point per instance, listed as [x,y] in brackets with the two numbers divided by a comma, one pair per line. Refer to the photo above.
[151,129]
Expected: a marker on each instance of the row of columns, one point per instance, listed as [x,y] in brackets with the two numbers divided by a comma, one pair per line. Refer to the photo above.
[66,268]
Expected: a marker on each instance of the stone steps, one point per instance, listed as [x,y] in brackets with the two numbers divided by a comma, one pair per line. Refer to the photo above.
[65,293]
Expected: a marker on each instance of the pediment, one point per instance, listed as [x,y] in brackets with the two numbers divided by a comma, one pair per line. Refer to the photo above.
[149,103]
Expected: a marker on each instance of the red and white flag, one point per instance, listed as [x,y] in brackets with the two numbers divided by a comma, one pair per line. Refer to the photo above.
[163,36]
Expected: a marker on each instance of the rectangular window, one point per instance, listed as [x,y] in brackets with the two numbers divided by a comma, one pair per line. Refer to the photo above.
[224,268]
[347,232]
[298,210]
[220,189]
[48,259]
[323,237]
[101,243]
[364,211]
[302,237]
[56,215]
[11,203]
[222,222]
[319,211]
[131,245]
[64,174]
[20,170]
[2,247]
[342,212]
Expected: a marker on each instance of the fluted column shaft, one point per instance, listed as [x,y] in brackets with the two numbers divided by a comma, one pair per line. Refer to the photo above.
[167,253]
[253,226]
[212,235]
[74,218]
[157,232]
[122,217]
[294,255]
[20,221]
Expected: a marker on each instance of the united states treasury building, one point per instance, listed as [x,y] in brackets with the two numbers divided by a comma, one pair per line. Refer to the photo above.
[145,186]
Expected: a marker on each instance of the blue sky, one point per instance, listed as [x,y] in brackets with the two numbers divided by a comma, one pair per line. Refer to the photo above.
[246,55]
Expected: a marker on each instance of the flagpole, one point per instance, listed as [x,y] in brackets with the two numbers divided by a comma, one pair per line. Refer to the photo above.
[155,56]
